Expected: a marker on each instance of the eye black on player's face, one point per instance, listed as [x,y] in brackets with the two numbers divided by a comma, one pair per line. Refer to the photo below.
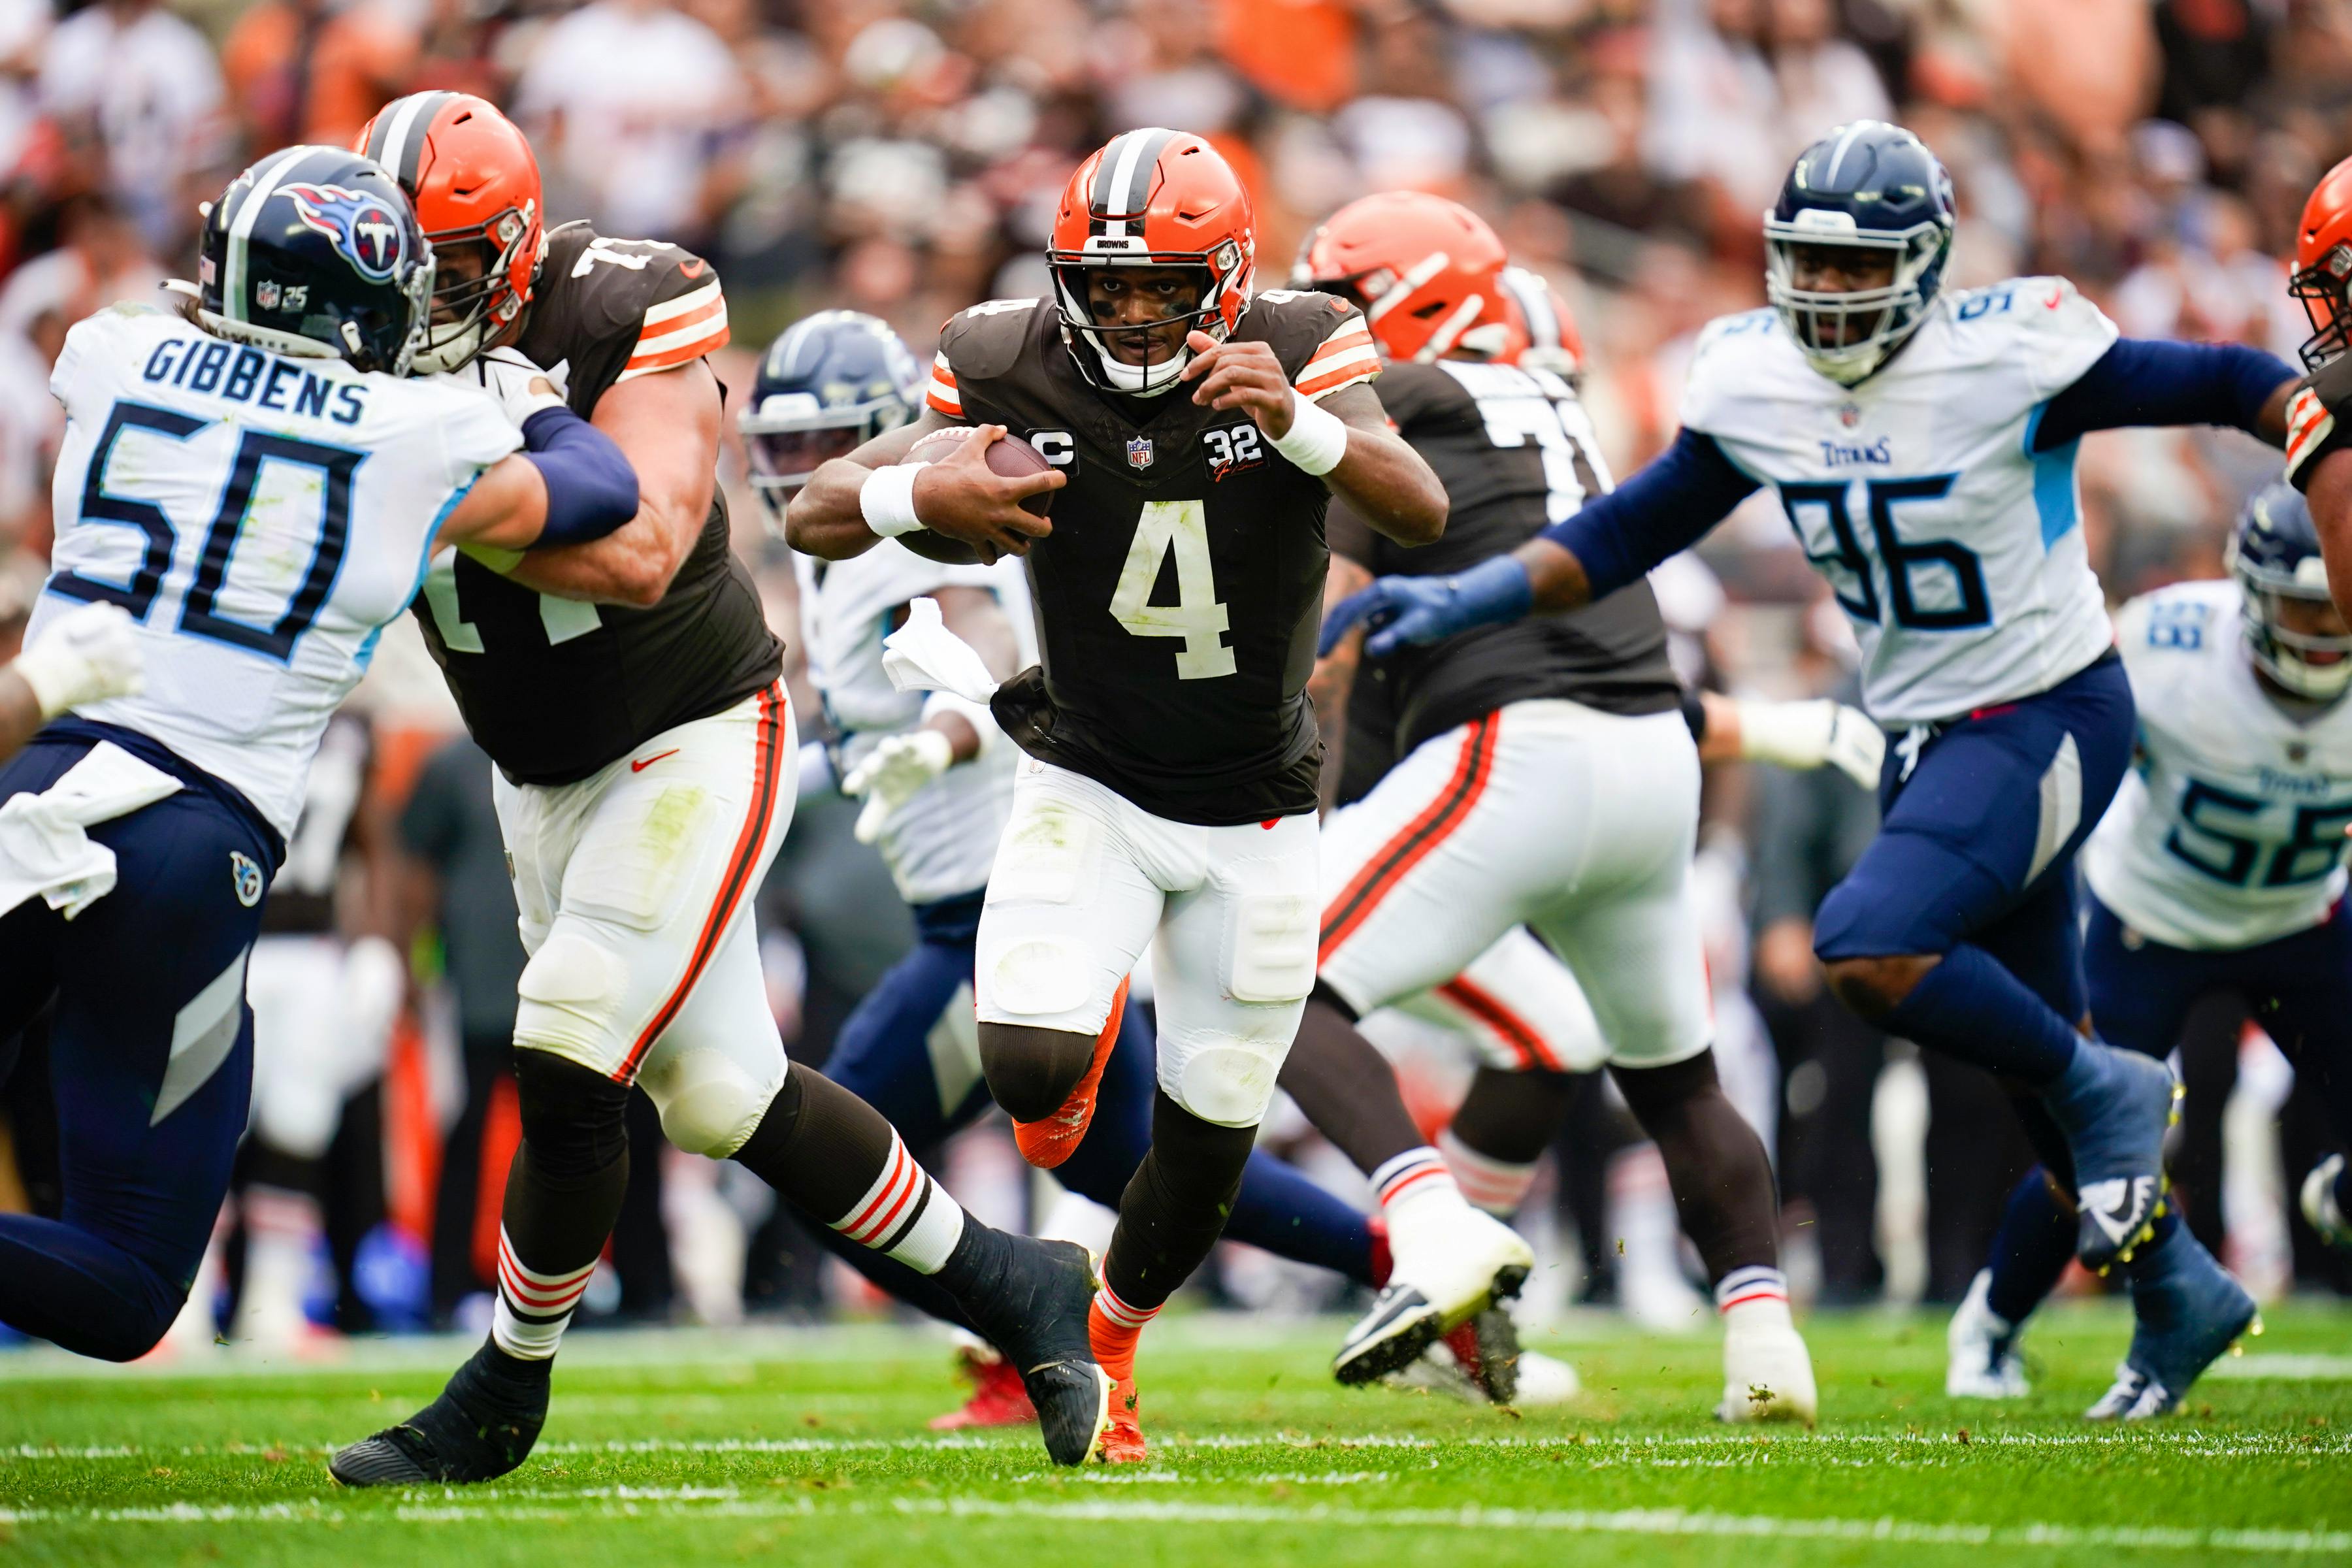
[1150,300]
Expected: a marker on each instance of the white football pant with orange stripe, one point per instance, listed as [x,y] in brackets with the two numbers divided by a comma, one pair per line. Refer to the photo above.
[635,888]
[1084,879]
[1577,824]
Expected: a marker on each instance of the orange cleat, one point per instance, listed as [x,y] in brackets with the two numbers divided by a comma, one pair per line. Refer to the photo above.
[1122,1441]
[1045,1145]
[998,1398]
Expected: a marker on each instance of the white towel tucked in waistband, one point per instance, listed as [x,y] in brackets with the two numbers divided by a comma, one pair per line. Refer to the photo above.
[44,848]
[924,655]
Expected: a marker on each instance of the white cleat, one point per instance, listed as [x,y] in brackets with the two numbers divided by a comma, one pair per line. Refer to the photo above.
[1451,1264]
[1767,1373]
[1546,1380]
[1984,1363]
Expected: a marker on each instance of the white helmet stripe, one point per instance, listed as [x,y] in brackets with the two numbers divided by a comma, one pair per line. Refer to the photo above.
[240,233]
[1419,273]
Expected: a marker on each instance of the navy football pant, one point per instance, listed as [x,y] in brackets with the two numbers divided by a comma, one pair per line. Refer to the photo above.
[151,1051]
[1981,823]
[883,1057]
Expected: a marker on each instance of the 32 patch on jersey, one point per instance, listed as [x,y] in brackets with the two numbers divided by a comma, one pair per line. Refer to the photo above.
[1232,448]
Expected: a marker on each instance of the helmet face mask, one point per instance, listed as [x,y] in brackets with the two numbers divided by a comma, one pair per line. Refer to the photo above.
[1151,200]
[475,303]
[1140,352]
[829,385]
[1868,202]
[2325,290]
[2293,631]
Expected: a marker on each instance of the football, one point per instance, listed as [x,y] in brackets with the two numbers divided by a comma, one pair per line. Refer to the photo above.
[1011,457]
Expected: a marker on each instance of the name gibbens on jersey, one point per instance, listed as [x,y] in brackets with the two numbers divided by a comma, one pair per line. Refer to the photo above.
[261,517]
[942,843]
[1955,549]
[2229,829]
[1516,452]
[556,688]
[1178,597]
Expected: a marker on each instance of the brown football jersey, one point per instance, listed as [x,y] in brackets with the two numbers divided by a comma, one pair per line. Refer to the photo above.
[1179,595]
[556,689]
[1516,453]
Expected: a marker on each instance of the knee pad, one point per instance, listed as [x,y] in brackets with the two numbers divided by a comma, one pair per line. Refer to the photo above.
[574,1118]
[1224,1080]
[709,1102]
[566,998]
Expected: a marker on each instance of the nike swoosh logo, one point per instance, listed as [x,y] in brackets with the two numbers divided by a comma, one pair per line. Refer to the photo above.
[641,766]
[2101,1198]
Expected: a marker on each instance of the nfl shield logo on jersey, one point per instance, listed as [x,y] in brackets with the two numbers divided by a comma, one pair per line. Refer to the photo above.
[1138,451]
[244,875]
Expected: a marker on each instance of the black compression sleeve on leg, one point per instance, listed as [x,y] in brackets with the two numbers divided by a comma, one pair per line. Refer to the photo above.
[1030,1071]
[1512,1117]
[819,1145]
[1346,1088]
[571,1168]
[1714,1162]
[1175,1207]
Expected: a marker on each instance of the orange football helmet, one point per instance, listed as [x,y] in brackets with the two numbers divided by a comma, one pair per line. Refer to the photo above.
[2322,266]
[474,184]
[1553,343]
[1151,198]
[1425,272]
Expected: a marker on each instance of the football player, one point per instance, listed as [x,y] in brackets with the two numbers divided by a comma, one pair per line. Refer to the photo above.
[2322,280]
[1501,809]
[255,484]
[644,783]
[936,774]
[1197,430]
[2218,868]
[1923,443]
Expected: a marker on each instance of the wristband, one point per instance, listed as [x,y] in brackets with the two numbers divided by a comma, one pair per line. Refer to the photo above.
[886,500]
[1317,438]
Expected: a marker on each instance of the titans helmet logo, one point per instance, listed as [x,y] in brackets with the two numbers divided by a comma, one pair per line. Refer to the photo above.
[366,232]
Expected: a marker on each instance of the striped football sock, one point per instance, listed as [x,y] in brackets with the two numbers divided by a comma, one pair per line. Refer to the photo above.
[1495,1186]
[533,1308]
[905,1215]
[1414,1178]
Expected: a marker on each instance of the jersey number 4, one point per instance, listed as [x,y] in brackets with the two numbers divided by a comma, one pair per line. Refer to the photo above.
[561,619]
[1181,528]
[200,612]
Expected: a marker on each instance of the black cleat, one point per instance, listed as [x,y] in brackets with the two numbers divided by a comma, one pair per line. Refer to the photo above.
[482,1425]
[1036,1314]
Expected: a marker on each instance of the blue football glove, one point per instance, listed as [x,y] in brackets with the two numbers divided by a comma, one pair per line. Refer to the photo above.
[1400,610]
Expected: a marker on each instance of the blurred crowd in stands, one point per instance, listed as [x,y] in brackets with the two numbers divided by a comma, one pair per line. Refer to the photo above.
[904,159]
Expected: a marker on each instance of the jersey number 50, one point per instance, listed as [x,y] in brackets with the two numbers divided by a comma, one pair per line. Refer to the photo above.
[1970,605]
[200,615]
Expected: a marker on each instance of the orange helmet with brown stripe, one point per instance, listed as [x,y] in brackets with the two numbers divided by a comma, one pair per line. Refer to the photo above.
[1151,198]
[2322,266]
[1553,343]
[474,184]
[1425,272]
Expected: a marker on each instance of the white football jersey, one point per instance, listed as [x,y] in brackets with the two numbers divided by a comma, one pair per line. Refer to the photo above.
[261,517]
[942,843]
[2229,829]
[1956,549]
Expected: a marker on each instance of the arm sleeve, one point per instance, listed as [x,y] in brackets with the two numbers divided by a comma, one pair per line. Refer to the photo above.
[1665,509]
[2145,380]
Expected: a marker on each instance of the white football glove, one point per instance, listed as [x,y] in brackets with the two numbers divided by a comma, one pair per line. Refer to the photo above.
[518,387]
[1812,734]
[84,656]
[892,772]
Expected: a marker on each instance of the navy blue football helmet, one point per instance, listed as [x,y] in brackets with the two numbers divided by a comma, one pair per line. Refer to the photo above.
[314,251]
[832,383]
[2275,555]
[1871,187]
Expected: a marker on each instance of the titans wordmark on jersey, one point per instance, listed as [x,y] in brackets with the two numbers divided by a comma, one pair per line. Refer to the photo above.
[942,843]
[261,517]
[556,689]
[1955,548]
[2230,830]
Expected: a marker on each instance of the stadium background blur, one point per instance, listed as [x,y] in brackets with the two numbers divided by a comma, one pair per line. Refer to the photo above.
[904,160]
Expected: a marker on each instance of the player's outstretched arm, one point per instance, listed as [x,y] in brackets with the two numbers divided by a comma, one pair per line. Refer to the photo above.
[1345,440]
[958,509]
[569,486]
[667,428]
[1607,543]
[2149,381]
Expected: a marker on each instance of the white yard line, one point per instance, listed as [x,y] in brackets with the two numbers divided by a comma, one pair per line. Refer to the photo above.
[2284,1368]
[673,1504]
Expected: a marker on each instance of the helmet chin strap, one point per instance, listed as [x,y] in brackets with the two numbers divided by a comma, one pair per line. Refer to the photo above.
[1135,380]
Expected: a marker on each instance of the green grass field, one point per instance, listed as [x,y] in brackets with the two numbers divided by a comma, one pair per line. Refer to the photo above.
[809,1447]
